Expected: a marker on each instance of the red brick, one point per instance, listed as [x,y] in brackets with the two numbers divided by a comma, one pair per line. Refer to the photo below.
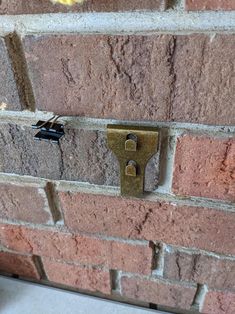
[158,292]
[24,203]
[9,97]
[118,76]
[42,6]
[219,303]
[132,258]
[215,272]
[16,264]
[80,277]
[186,226]
[194,5]
[119,79]
[205,167]
[202,63]
[77,248]
[82,155]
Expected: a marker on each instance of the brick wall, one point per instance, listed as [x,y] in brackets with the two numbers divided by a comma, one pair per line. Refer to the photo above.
[62,220]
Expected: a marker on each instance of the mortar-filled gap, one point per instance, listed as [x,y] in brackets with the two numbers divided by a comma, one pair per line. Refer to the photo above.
[19,65]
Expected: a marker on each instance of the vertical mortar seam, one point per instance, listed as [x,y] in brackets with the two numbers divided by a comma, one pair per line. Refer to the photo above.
[20,69]
[39,266]
[167,161]
[53,203]
[199,297]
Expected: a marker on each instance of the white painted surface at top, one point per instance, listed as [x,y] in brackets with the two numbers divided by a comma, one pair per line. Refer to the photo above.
[19,297]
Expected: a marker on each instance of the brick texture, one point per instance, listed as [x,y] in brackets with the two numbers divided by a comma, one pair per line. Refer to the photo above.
[18,203]
[204,228]
[193,5]
[77,248]
[216,272]
[82,155]
[172,248]
[80,277]
[45,6]
[118,76]
[9,98]
[201,64]
[117,71]
[219,303]
[21,265]
[204,166]
[158,292]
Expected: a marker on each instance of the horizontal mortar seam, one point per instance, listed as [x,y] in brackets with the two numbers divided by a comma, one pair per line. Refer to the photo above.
[64,231]
[169,21]
[160,279]
[190,251]
[102,237]
[100,266]
[26,118]
[87,188]
[4,249]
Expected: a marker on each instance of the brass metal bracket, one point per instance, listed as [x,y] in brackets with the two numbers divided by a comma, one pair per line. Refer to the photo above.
[133,147]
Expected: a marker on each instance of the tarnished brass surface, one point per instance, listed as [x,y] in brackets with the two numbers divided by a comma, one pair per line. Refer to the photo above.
[133,147]
[131,169]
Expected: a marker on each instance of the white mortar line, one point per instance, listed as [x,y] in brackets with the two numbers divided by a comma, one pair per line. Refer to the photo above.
[190,201]
[65,231]
[171,21]
[26,118]
[158,279]
[84,187]
[176,248]
[166,166]
[136,242]
[17,180]
[7,250]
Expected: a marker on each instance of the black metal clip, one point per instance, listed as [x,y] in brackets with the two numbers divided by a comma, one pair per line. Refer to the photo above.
[49,130]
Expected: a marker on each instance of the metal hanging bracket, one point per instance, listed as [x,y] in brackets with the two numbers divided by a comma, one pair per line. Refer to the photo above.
[133,147]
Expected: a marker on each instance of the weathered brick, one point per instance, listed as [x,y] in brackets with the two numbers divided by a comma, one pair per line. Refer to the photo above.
[81,277]
[77,248]
[20,154]
[112,76]
[82,155]
[218,302]
[186,226]
[132,258]
[16,264]
[158,292]
[205,166]
[42,6]
[9,97]
[194,5]
[216,272]
[118,76]
[24,203]
[203,63]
